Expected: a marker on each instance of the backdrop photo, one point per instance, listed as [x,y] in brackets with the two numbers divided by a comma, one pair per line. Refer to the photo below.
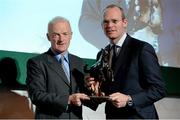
[24,25]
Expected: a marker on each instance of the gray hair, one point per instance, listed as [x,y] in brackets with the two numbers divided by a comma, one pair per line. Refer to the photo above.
[57,19]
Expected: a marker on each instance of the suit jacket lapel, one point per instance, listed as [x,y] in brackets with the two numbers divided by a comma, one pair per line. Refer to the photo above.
[123,55]
[72,66]
[55,65]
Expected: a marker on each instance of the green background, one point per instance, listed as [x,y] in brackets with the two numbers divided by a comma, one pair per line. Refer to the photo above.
[171,74]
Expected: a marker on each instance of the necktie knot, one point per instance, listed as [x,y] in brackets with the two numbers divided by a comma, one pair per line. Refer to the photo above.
[116,50]
[62,59]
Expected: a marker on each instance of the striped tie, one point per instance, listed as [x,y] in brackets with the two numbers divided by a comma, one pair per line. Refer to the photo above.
[62,61]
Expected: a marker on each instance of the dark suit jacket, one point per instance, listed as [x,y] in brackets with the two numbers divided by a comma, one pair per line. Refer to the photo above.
[49,88]
[137,73]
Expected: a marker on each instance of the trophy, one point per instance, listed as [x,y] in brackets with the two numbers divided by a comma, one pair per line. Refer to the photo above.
[102,72]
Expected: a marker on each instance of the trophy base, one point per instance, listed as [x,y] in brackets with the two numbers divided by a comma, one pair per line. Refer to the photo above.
[99,97]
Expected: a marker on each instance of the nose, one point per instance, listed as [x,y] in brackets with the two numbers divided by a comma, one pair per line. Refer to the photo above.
[61,37]
[109,24]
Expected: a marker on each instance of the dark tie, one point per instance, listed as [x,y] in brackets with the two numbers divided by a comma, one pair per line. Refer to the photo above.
[114,53]
[62,61]
[116,50]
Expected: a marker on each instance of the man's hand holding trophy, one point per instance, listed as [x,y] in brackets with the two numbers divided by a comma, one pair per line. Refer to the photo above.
[99,73]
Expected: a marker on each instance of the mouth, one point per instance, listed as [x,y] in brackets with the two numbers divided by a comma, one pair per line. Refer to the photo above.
[60,43]
[110,31]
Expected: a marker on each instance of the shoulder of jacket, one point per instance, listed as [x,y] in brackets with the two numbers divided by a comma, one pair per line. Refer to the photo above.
[38,56]
[74,56]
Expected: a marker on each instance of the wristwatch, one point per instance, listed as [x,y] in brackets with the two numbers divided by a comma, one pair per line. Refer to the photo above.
[129,101]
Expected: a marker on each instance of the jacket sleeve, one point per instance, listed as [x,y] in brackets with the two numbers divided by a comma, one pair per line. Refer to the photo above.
[151,78]
[37,89]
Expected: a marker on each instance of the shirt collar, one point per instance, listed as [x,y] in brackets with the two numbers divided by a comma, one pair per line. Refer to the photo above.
[121,40]
[58,56]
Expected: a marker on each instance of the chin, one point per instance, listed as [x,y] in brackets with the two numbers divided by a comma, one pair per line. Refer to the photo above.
[112,37]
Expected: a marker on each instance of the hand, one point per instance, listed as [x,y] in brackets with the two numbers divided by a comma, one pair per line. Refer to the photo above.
[77,98]
[92,85]
[118,99]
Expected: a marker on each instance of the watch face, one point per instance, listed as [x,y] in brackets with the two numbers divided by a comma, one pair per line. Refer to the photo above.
[130,103]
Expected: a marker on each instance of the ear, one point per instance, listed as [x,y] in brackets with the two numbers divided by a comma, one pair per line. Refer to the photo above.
[48,36]
[70,37]
[125,23]
[102,25]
